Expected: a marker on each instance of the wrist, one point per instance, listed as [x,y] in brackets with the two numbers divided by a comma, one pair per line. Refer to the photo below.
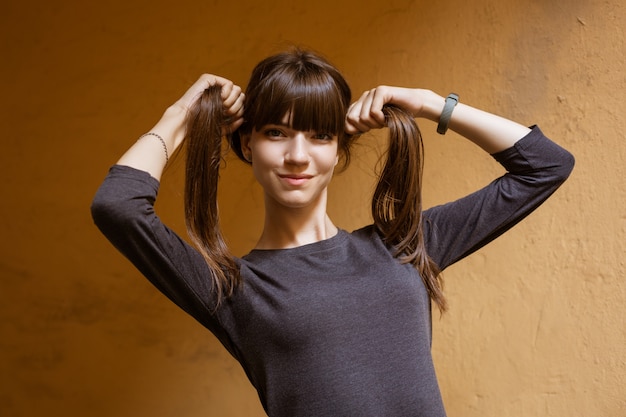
[446,114]
[432,103]
[171,126]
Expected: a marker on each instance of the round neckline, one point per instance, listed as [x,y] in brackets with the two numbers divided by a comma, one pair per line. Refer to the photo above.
[306,248]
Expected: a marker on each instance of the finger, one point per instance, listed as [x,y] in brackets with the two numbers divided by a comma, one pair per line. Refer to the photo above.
[354,123]
[354,126]
[227,86]
[351,129]
[235,114]
[238,105]
[196,90]
[368,116]
[233,96]
[209,80]
[379,99]
[372,112]
[237,121]
[365,115]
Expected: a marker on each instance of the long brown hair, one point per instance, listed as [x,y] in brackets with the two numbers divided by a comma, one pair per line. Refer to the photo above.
[316,97]
[205,121]
[397,200]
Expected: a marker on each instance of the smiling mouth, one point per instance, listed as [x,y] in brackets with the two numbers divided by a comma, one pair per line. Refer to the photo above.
[295,179]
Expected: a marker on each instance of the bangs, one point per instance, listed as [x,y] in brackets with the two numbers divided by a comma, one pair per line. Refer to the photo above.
[311,99]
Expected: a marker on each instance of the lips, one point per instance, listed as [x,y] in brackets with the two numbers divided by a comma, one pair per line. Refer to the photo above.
[295,179]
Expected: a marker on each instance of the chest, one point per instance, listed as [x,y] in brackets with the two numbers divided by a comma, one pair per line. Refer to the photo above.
[323,299]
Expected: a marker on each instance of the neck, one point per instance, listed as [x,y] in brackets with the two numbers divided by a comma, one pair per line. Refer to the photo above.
[287,227]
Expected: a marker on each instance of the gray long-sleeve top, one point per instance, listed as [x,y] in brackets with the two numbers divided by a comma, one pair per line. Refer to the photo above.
[337,327]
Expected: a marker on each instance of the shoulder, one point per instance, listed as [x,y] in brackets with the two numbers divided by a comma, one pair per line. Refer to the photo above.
[366,235]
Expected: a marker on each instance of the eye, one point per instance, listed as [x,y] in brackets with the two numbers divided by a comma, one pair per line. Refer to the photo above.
[323,136]
[273,133]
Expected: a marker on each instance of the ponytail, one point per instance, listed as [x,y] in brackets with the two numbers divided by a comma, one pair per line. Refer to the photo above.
[204,156]
[397,201]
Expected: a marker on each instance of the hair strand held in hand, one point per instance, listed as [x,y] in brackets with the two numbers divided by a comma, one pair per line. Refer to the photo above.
[204,155]
[397,201]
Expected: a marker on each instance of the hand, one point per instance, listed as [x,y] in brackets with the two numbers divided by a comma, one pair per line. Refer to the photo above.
[367,112]
[231,93]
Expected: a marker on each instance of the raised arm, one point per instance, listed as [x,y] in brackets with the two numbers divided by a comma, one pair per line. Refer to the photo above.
[535,167]
[490,132]
[123,207]
[151,151]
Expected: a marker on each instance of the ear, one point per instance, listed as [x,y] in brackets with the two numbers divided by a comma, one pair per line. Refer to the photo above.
[245,141]
[340,155]
[245,147]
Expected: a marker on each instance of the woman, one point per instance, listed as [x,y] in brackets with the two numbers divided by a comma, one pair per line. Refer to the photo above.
[324,322]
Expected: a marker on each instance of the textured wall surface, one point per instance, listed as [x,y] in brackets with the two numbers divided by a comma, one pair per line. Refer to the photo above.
[537,322]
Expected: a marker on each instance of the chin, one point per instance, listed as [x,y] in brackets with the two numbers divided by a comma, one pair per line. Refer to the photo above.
[295,204]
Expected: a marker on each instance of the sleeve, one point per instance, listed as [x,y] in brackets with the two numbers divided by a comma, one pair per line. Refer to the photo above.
[123,210]
[535,166]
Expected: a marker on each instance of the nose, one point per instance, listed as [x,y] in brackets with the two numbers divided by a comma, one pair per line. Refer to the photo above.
[297,150]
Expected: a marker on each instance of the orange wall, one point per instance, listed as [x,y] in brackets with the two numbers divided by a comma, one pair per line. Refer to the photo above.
[536,325]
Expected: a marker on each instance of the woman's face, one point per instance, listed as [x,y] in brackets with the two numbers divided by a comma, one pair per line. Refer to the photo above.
[293,167]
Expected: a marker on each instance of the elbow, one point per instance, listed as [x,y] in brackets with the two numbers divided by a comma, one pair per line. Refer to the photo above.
[100,211]
[110,214]
[104,214]
[565,168]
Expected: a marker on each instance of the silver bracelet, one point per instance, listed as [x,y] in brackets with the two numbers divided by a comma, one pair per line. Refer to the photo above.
[167,156]
[451,101]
